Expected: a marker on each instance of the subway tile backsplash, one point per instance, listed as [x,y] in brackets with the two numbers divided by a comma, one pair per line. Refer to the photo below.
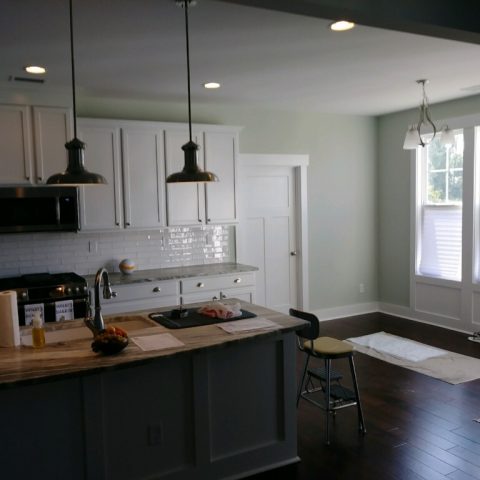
[85,253]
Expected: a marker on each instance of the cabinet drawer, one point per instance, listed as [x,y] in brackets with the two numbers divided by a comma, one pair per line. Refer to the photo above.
[245,294]
[138,291]
[199,284]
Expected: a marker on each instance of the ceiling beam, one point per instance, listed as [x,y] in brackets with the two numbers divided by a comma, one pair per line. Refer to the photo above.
[454,20]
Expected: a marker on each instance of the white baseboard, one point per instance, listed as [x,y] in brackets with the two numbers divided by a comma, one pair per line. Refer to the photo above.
[397,310]
[409,314]
[388,308]
[346,311]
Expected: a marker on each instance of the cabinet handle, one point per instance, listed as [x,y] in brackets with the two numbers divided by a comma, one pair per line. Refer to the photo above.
[27,177]
[293,253]
[127,224]
[237,280]
[117,223]
[214,299]
[157,289]
[40,179]
[209,220]
[200,285]
[200,220]
[222,295]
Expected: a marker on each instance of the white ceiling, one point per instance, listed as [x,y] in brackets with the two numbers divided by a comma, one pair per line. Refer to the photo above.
[136,49]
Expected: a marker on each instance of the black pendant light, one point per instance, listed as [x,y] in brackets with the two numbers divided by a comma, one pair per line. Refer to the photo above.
[191,171]
[76,173]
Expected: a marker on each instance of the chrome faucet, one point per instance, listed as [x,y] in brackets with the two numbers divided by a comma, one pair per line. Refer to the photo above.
[102,274]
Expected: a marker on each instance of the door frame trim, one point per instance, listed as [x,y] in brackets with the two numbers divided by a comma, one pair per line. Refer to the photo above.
[299,163]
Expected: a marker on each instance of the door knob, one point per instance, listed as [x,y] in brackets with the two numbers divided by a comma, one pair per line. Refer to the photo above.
[293,253]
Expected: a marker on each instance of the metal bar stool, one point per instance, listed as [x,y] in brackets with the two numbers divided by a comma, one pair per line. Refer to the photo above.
[336,396]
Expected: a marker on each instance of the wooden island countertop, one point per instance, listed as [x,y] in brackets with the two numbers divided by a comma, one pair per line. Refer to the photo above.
[221,406]
[24,364]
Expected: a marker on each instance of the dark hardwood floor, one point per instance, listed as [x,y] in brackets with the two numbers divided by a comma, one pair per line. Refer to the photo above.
[417,427]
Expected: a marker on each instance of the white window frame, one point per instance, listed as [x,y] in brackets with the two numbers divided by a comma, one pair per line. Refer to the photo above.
[455,304]
[421,159]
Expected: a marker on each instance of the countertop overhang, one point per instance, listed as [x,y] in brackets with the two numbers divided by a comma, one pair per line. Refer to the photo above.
[27,365]
[174,273]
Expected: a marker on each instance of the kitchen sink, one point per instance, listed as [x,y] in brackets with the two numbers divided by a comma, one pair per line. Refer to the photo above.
[130,323]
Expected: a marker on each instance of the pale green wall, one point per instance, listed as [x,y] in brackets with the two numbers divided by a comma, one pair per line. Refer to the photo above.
[341,182]
[394,196]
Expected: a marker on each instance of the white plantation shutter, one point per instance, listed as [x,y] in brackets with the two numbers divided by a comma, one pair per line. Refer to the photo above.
[441,249]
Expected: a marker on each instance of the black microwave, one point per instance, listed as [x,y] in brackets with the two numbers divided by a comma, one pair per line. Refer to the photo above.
[38,209]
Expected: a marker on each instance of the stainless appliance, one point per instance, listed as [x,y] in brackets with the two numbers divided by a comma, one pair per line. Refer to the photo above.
[50,290]
[38,209]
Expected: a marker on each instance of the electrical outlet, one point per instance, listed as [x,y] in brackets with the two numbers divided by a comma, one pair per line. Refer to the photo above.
[93,246]
[155,434]
[361,288]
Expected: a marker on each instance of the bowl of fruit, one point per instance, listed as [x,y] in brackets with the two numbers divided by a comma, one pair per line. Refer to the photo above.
[110,340]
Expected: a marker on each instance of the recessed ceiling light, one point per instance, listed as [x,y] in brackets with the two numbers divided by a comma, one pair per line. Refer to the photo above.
[35,69]
[341,26]
[211,85]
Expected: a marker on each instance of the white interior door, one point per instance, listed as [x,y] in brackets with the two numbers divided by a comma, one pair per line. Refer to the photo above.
[268,233]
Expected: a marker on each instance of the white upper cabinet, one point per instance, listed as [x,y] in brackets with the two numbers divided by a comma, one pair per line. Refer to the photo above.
[197,203]
[16,166]
[133,156]
[52,128]
[185,201]
[220,155]
[130,155]
[32,143]
[101,205]
[143,177]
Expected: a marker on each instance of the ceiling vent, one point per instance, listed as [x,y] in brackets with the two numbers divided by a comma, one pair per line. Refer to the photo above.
[11,78]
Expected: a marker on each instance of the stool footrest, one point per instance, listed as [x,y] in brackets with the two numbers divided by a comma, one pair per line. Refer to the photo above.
[321,374]
[338,392]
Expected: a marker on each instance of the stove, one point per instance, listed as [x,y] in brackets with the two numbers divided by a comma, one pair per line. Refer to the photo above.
[57,296]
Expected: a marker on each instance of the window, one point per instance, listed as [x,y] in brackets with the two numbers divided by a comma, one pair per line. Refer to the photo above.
[440,242]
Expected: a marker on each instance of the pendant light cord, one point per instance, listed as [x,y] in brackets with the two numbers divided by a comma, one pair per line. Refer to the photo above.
[188,70]
[73,73]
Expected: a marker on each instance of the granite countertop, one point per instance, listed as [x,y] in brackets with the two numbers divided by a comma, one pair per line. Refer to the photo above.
[20,365]
[173,273]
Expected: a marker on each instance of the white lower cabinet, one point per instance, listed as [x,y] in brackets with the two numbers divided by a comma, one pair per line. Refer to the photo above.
[202,289]
[140,296]
[151,294]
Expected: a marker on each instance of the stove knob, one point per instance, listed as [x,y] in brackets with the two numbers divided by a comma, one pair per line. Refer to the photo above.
[77,289]
[24,295]
[84,289]
[68,291]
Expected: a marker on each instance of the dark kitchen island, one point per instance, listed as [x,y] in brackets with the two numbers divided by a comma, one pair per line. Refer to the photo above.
[221,406]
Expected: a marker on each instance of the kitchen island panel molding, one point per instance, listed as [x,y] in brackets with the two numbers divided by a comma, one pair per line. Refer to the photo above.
[221,406]
[42,434]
